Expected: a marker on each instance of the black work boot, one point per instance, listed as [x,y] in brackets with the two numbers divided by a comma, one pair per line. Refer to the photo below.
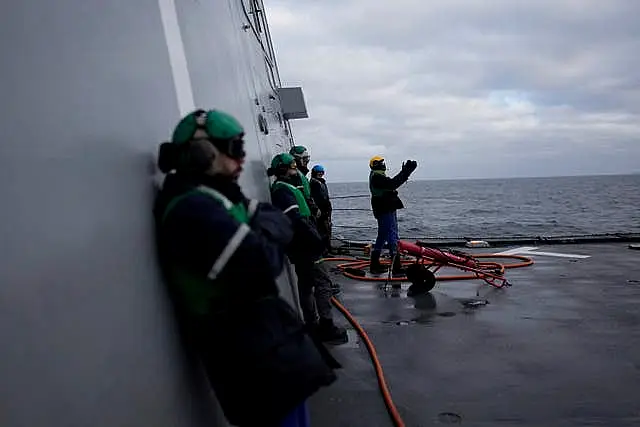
[397,269]
[375,267]
[330,333]
[335,289]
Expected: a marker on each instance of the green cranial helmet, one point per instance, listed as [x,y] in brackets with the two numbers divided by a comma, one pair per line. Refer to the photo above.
[216,124]
[299,151]
[283,161]
[219,128]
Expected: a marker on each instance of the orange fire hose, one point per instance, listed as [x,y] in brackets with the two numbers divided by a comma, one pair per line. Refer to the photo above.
[359,263]
[382,383]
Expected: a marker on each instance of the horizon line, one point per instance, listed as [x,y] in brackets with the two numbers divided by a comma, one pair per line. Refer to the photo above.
[503,177]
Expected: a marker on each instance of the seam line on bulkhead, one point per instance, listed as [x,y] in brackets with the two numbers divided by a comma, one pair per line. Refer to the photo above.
[177,56]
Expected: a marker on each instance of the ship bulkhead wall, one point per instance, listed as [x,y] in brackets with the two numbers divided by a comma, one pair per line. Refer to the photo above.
[88,91]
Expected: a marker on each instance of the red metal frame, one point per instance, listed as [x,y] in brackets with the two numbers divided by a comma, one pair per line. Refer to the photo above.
[434,259]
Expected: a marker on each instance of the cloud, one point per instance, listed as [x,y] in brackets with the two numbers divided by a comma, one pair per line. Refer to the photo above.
[469,89]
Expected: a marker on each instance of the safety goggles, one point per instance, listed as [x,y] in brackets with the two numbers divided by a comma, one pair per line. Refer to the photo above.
[378,164]
[233,148]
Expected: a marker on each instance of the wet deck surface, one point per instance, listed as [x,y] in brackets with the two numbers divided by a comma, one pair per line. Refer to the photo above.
[561,347]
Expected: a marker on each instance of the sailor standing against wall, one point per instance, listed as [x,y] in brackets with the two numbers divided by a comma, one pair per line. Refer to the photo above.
[322,282]
[320,195]
[221,254]
[302,158]
[306,248]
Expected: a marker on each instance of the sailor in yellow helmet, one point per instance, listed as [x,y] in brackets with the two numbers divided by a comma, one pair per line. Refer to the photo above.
[375,162]
[384,203]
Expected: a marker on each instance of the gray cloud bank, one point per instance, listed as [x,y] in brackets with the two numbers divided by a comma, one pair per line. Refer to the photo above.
[468,88]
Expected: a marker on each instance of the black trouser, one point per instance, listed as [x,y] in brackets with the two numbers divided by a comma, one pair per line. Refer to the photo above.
[324,229]
[255,357]
[314,288]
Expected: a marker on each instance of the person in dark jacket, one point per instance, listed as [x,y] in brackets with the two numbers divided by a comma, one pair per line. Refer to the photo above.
[384,203]
[306,248]
[300,180]
[220,254]
[302,158]
[320,195]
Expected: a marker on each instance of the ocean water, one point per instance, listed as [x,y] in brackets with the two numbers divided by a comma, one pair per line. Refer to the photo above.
[497,207]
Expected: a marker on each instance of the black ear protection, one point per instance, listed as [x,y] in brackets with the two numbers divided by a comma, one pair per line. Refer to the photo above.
[168,157]
[193,155]
[199,156]
[187,156]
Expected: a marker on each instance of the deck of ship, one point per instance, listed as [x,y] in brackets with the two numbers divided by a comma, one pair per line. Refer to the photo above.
[561,347]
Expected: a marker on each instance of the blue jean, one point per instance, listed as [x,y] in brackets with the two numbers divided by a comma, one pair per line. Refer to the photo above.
[387,232]
[299,417]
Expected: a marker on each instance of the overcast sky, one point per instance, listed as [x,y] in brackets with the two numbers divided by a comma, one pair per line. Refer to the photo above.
[468,88]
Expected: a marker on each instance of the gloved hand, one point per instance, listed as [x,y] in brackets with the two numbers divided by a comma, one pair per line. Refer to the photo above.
[272,223]
[409,166]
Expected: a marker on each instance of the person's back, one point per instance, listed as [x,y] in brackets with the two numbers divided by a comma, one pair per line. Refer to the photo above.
[208,233]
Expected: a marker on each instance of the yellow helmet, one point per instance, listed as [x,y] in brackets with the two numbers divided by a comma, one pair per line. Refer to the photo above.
[375,161]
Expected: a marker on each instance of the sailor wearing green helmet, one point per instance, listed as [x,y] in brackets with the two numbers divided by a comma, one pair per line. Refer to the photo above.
[261,367]
[307,246]
[302,158]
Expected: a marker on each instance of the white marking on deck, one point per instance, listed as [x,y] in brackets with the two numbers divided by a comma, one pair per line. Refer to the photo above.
[531,250]
[354,339]
[518,250]
[177,56]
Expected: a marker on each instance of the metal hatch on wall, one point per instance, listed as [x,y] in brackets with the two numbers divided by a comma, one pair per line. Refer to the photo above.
[292,103]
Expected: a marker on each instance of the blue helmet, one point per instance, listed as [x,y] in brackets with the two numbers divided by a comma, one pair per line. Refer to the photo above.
[317,169]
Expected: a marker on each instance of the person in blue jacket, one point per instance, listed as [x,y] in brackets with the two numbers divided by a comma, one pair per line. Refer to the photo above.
[221,253]
[307,246]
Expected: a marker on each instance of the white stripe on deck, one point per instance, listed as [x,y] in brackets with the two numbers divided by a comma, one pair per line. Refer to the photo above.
[354,339]
[532,250]
[518,250]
